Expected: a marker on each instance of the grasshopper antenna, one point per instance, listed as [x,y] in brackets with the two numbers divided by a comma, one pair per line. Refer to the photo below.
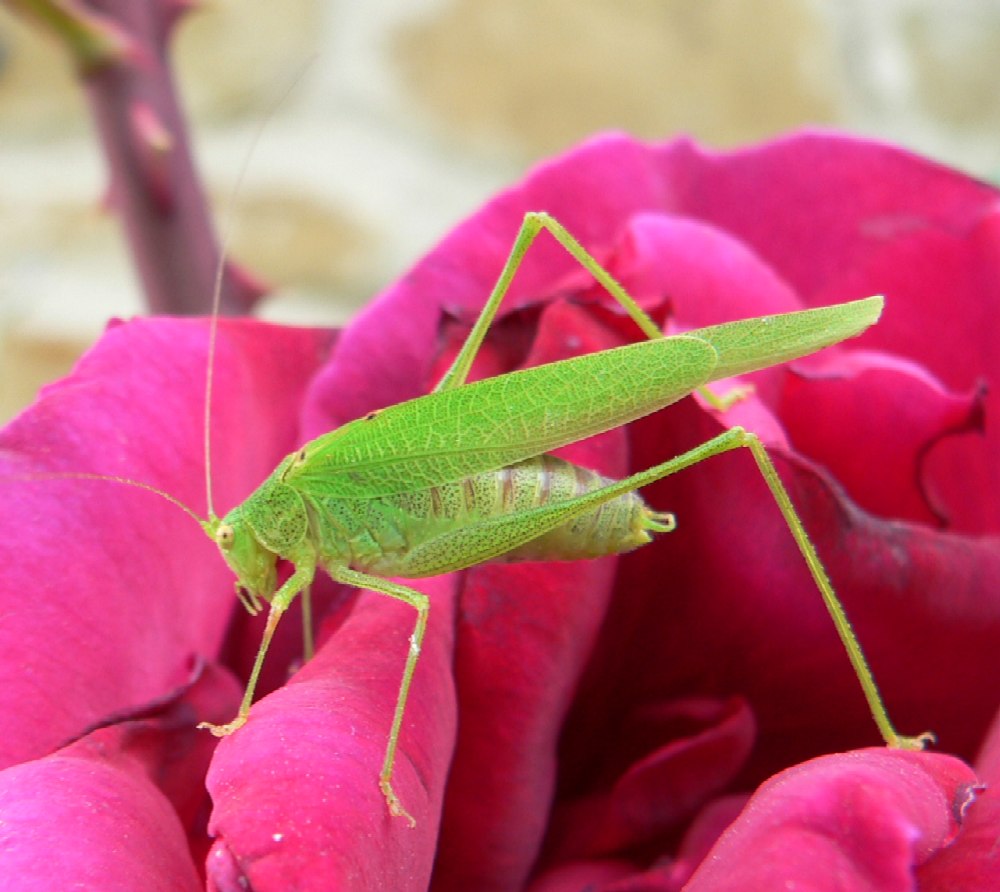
[111,478]
[220,270]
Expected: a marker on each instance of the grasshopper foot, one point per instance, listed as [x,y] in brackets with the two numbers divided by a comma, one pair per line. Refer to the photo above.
[224,730]
[916,743]
[395,806]
[729,398]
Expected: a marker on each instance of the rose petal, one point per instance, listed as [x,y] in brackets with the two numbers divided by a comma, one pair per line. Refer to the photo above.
[127,411]
[73,822]
[854,217]
[841,202]
[515,678]
[708,275]
[861,820]
[644,789]
[297,801]
[111,594]
[871,419]
[719,612]
[94,815]
[943,302]
[972,862]
[724,605]
[382,358]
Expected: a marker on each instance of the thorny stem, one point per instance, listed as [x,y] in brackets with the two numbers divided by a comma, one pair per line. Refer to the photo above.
[119,48]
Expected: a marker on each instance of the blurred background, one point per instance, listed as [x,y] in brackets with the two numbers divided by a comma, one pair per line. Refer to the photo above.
[409,113]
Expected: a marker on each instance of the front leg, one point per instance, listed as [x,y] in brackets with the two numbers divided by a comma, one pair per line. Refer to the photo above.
[300,580]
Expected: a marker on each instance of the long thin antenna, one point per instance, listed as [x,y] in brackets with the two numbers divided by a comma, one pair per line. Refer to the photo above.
[112,478]
[224,239]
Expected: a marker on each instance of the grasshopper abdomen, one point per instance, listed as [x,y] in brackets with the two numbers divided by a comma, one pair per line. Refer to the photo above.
[408,534]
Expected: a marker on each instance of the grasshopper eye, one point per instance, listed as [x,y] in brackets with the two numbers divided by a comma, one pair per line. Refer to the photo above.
[224,537]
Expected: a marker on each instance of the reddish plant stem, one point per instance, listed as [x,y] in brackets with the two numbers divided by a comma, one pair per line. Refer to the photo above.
[120,50]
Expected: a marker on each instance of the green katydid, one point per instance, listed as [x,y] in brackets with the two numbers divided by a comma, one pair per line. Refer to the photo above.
[463,475]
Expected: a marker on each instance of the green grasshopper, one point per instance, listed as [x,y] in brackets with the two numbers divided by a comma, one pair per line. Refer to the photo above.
[464,475]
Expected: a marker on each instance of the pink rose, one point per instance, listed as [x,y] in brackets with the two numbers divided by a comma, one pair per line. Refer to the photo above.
[600,725]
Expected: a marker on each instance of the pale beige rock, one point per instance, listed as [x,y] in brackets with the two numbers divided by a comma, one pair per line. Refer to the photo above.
[536,76]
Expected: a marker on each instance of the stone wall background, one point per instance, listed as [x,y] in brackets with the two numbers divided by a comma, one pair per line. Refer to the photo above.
[411,112]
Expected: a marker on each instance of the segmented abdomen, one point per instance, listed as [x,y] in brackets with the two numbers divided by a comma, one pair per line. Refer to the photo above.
[614,527]
[397,535]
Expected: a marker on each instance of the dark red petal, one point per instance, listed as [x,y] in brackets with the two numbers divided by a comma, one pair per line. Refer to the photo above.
[872,419]
[583,875]
[297,801]
[839,217]
[941,291]
[104,593]
[112,597]
[972,862]
[708,275]
[95,815]
[704,831]
[946,319]
[819,206]
[524,632]
[658,767]
[724,606]
[860,820]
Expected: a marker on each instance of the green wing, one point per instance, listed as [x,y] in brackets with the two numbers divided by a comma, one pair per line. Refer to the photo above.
[498,421]
[753,344]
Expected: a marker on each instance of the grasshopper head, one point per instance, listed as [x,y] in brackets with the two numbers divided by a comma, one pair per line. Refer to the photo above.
[255,565]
